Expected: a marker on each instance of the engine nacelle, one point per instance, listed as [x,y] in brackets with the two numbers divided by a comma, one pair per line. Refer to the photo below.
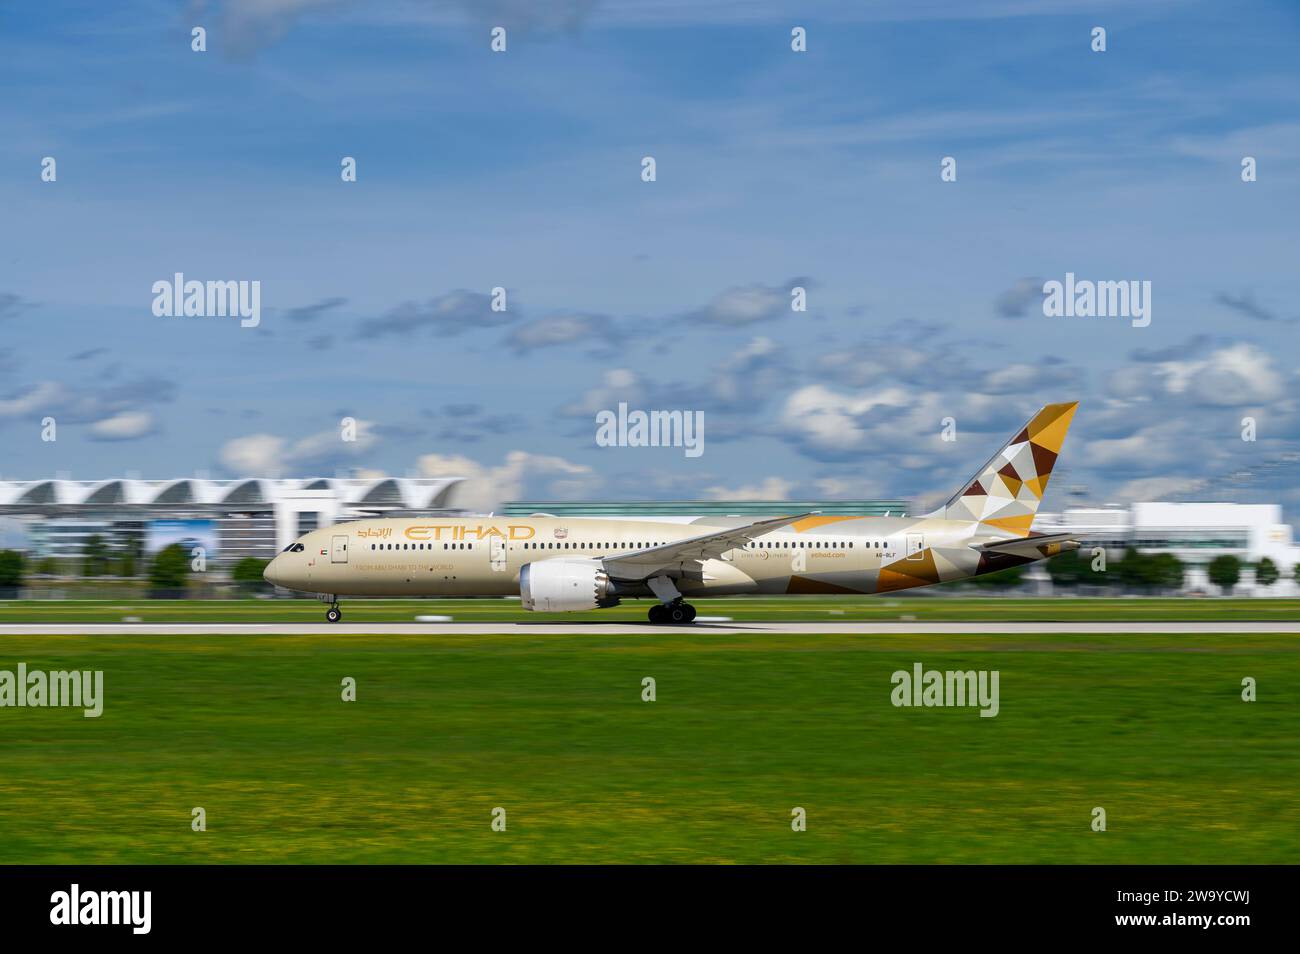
[562,586]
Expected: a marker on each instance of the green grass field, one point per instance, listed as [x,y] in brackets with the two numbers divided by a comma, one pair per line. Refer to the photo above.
[778,609]
[553,729]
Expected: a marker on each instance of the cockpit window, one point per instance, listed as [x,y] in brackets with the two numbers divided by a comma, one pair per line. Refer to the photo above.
[294,548]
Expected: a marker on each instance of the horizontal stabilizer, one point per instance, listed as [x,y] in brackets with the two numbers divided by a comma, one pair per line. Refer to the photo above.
[1039,545]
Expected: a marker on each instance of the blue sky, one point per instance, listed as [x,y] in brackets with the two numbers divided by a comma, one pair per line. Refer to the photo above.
[522,170]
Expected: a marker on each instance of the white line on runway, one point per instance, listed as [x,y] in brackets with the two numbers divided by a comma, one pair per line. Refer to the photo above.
[631,628]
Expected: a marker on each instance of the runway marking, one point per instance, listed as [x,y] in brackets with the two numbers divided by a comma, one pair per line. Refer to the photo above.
[544,628]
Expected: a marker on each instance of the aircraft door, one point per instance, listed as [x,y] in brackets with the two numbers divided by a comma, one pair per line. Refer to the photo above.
[916,546]
[339,548]
[498,555]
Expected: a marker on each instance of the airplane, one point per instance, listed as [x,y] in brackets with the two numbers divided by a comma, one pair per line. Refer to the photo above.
[565,564]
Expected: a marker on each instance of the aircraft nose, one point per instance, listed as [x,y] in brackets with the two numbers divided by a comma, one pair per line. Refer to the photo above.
[272,573]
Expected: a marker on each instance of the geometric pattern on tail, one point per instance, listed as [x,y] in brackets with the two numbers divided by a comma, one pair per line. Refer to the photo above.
[1006,493]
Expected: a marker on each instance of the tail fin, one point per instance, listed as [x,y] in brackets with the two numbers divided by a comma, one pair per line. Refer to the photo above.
[1007,490]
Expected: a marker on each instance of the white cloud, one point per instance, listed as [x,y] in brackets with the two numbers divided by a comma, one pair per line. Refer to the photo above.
[572,328]
[859,488]
[830,422]
[268,455]
[46,396]
[747,304]
[1153,488]
[772,488]
[260,454]
[450,314]
[520,475]
[618,384]
[1240,374]
[1156,446]
[1230,376]
[1031,377]
[126,426]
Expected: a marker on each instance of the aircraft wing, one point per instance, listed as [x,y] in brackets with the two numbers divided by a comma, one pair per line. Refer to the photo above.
[642,564]
[1044,544]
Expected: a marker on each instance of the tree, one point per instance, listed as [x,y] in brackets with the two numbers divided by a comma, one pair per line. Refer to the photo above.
[1004,579]
[169,570]
[1133,570]
[1224,571]
[247,574]
[126,565]
[1167,571]
[94,553]
[1295,573]
[11,570]
[1266,573]
[1072,569]
[1147,572]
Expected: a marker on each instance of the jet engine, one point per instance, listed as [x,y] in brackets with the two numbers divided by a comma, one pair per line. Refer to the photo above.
[561,586]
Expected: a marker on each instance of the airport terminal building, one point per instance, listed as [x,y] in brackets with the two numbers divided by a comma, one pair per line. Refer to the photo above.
[258,517]
[232,519]
[1196,533]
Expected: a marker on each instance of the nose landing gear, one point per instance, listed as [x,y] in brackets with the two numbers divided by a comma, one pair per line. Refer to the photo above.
[333,614]
[674,612]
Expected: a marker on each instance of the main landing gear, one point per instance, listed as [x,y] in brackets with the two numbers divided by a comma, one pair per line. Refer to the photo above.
[674,612]
[670,608]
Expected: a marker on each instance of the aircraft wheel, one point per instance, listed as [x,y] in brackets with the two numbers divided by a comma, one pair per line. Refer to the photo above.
[690,612]
[657,613]
[333,614]
[676,613]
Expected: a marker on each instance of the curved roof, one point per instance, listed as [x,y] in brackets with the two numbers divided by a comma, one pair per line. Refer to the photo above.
[398,493]
[43,492]
[109,492]
[384,493]
[180,491]
[247,492]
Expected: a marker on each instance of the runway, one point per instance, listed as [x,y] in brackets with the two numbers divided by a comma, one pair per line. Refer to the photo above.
[632,629]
